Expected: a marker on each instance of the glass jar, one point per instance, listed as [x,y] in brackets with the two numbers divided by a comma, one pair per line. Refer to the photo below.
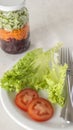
[14,26]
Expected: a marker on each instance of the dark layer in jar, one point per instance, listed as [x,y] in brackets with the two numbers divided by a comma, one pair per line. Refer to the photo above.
[14,46]
[16,41]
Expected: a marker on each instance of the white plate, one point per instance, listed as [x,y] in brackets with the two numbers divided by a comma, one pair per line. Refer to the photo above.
[22,119]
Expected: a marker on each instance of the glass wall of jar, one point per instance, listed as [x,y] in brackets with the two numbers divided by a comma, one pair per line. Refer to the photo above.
[14,26]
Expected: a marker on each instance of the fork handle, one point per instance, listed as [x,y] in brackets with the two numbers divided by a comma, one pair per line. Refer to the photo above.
[67,110]
[70,88]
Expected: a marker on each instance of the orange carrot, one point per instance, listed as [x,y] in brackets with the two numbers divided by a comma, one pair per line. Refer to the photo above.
[15,34]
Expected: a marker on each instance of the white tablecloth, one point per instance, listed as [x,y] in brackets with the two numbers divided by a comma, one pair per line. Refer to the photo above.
[51,21]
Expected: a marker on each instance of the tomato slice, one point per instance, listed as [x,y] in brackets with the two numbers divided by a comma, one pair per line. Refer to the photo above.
[24,97]
[40,109]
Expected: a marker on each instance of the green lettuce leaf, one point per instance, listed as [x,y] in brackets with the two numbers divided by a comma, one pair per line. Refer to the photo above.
[40,70]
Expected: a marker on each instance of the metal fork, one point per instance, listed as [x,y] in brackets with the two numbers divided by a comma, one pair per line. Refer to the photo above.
[67,110]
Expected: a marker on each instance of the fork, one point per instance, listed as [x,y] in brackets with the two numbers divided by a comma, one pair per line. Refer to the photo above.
[67,110]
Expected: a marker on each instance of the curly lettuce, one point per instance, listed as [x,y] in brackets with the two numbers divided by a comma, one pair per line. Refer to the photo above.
[40,70]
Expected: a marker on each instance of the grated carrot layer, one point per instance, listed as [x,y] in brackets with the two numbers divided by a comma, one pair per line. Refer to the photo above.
[15,34]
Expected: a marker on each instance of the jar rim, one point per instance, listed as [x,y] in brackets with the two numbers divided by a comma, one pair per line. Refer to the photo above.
[11,5]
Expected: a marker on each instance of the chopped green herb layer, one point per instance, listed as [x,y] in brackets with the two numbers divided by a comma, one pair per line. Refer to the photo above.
[12,20]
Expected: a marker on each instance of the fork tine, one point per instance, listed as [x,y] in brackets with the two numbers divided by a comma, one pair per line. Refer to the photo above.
[63,56]
[71,60]
[68,58]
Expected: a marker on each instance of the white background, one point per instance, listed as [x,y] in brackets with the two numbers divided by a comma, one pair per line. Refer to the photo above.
[51,21]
